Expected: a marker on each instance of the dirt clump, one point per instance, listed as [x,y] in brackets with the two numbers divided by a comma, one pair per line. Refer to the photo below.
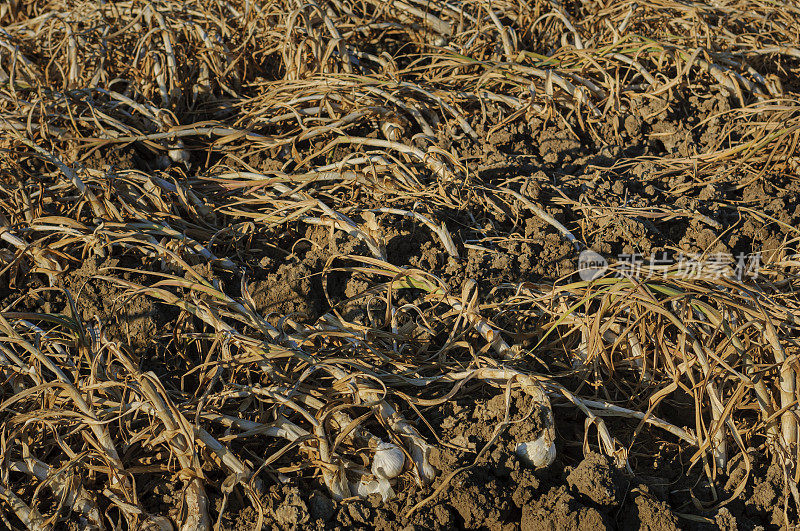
[559,510]
[592,480]
[646,512]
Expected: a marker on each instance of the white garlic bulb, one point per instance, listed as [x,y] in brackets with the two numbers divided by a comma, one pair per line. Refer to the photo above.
[389,461]
[420,453]
[372,485]
[540,453]
[178,154]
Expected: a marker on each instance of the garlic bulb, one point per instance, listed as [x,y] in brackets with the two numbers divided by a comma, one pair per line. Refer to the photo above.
[540,453]
[389,461]
[420,453]
[372,485]
[178,154]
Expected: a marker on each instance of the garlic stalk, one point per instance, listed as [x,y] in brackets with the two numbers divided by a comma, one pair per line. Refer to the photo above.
[392,131]
[66,487]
